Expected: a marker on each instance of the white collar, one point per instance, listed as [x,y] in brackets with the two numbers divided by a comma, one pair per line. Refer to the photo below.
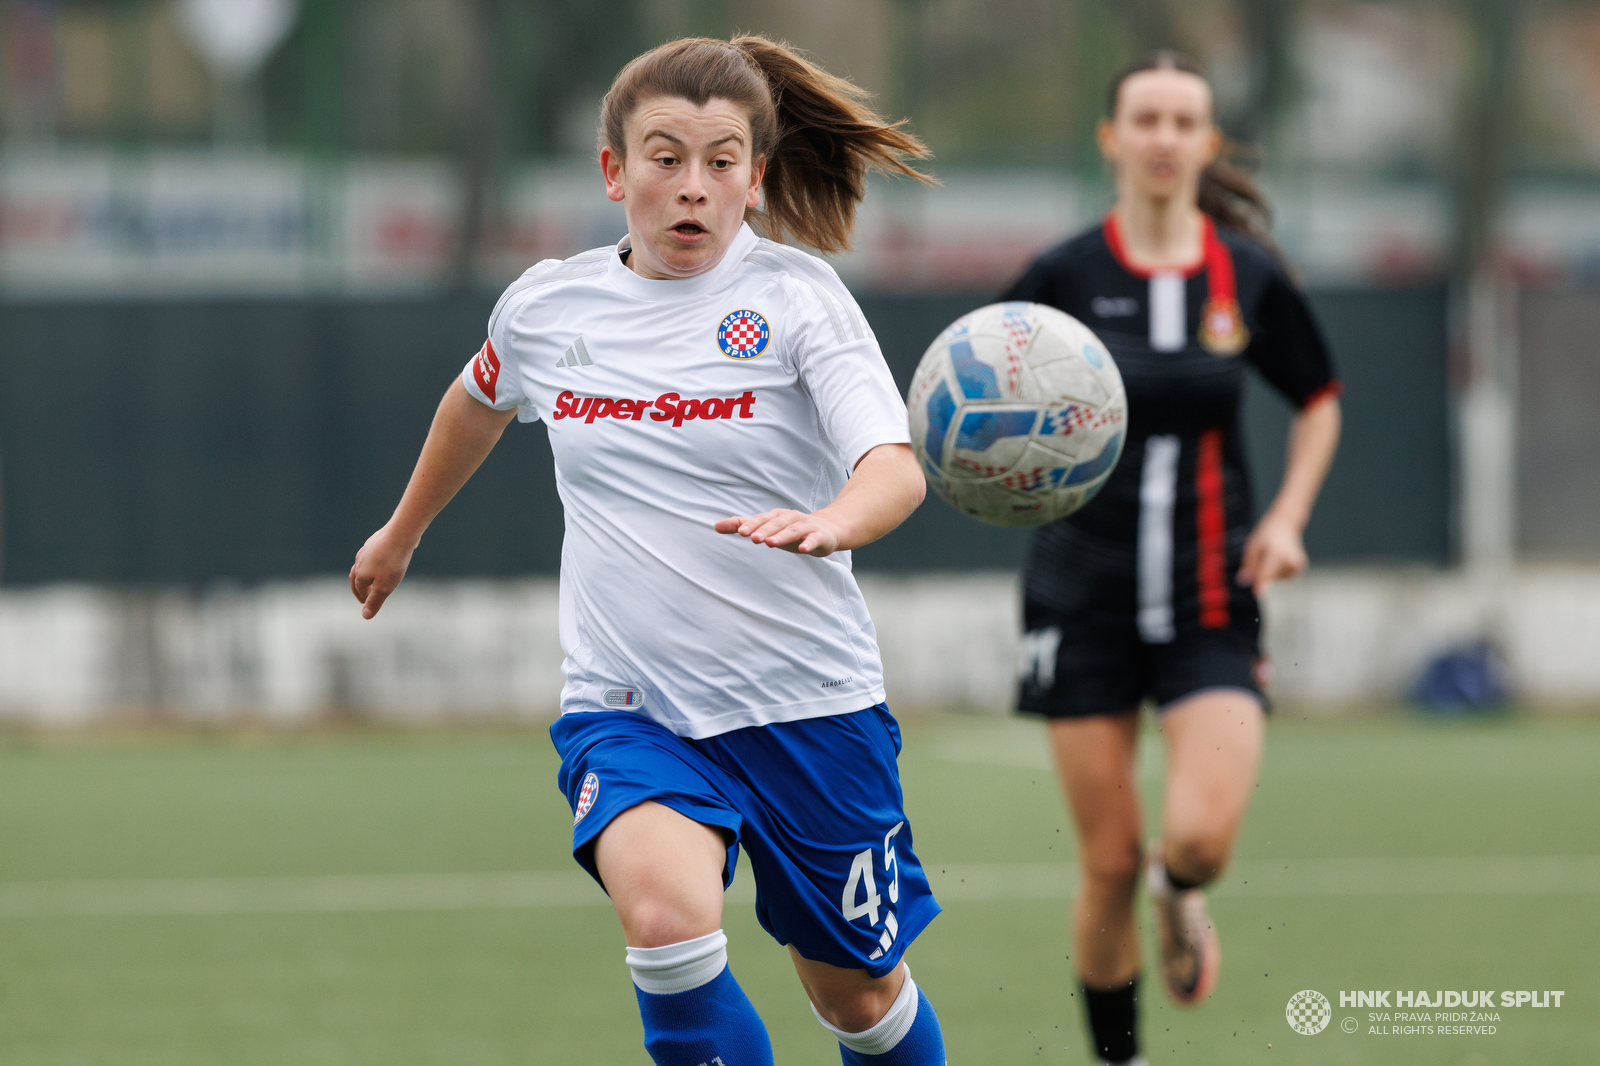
[628,281]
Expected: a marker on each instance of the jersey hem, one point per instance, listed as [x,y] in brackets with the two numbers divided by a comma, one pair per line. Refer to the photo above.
[745,718]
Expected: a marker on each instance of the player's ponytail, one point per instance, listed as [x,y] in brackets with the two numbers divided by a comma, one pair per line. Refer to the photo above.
[828,139]
[1227,193]
[1232,197]
[819,136]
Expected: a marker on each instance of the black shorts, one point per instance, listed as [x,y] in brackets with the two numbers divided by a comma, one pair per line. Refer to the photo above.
[1073,670]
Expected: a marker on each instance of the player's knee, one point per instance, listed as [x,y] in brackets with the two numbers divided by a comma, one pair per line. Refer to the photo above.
[1112,869]
[858,1009]
[655,923]
[1199,856]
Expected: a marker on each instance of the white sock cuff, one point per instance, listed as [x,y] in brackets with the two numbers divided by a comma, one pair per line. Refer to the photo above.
[679,967]
[1155,879]
[891,1028]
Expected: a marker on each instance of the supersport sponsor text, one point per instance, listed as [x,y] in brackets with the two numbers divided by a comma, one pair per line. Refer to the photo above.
[668,407]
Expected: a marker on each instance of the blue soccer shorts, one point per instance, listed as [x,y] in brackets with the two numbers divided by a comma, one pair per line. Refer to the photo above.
[816,804]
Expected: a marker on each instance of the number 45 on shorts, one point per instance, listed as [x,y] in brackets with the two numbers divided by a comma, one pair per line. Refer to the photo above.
[861,883]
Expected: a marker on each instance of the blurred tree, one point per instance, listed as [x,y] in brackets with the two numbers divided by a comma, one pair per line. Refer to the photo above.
[1100,50]
[1268,27]
[130,74]
[670,19]
[32,67]
[1486,380]
[478,134]
[563,55]
[319,46]
[981,78]
[1487,108]
[1150,25]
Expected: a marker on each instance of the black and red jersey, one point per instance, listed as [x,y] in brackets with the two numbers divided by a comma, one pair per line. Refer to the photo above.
[1160,545]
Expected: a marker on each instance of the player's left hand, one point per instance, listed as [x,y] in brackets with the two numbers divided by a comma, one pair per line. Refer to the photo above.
[1274,552]
[793,531]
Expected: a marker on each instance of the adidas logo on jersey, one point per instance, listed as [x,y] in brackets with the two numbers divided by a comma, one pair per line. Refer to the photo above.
[575,355]
[668,407]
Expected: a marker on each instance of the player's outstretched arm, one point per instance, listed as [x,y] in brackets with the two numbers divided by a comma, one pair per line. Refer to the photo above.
[885,488]
[464,432]
[1276,550]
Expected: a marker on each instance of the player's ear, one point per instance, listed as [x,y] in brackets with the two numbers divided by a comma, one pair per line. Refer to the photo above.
[611,169]
[1105,136]
[1213,146]
[758,170]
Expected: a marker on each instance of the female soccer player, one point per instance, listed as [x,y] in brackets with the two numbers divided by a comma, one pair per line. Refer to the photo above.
[712,396]
[1150,591]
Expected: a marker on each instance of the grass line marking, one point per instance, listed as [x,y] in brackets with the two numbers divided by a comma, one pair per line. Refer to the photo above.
[1544,875]
[358,893]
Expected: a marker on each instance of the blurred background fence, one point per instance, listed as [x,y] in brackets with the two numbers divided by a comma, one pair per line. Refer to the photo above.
[244,244]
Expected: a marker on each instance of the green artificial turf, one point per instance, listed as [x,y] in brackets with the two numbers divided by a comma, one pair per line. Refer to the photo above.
[196,900]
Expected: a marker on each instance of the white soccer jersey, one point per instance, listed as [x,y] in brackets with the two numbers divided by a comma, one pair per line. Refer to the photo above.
[671,404]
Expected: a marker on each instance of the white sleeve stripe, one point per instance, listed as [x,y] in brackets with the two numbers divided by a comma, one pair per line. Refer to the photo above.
[832,308]
[825,298]
[821,275]
[822,281]
[583,265]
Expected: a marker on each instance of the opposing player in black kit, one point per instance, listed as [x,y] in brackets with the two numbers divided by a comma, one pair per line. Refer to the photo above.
[1150,591]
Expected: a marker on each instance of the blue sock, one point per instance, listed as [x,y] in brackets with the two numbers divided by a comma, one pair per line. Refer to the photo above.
[907,1035]
[694,1012]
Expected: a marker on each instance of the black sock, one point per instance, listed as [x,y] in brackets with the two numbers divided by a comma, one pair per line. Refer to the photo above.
[1180,884]
[1114,1020]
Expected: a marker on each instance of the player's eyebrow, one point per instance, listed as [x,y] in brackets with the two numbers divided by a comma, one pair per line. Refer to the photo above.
[736,135]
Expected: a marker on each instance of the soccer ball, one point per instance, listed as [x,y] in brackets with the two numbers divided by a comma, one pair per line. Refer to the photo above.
[1017,414]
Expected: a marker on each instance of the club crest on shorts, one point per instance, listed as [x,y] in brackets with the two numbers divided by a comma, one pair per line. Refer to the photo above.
[1222,330]
[743,335]
[586,796]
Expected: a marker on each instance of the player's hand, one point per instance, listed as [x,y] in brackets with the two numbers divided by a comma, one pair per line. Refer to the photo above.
[380,565]
[1274,552]
[793,531]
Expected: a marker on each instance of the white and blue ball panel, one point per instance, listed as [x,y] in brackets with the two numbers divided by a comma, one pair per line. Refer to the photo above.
[1021,407]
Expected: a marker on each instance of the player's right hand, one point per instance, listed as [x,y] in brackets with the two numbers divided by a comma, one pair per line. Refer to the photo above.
[379,568]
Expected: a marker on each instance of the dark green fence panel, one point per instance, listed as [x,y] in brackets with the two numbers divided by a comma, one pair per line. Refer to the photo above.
[1388,497]
[185,442]
[190,441]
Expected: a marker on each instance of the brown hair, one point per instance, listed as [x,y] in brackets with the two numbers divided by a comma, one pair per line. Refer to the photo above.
[1227,193]
[818,134]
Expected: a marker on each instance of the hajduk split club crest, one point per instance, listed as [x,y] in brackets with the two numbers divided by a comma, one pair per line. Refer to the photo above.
[743,335]
[586,796]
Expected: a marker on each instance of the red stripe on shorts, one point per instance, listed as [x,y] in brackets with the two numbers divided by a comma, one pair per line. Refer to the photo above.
[1212,527]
